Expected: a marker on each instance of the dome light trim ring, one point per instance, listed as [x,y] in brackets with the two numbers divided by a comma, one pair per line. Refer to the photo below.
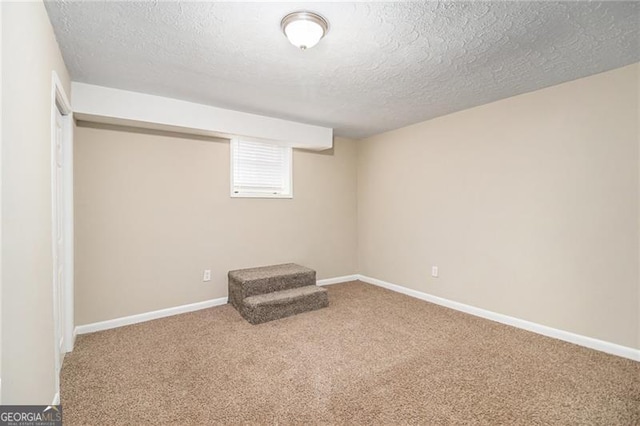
[305,16]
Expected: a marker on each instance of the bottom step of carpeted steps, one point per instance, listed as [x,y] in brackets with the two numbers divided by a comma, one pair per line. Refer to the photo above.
[284,303]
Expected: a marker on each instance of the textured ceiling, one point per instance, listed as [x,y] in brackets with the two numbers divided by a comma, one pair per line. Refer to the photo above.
[380,67]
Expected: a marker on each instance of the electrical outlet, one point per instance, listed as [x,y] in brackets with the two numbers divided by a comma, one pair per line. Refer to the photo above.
[434,271]
[207,275]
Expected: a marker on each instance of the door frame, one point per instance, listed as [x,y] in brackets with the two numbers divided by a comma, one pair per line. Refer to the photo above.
[1,141]
[60,102]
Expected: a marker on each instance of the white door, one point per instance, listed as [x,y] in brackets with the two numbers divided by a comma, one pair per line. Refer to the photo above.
[58,234]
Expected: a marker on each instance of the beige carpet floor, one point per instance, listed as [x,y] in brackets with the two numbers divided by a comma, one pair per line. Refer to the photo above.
[372,357]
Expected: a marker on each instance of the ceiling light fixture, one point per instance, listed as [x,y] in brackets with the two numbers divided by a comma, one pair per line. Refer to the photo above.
[304,29]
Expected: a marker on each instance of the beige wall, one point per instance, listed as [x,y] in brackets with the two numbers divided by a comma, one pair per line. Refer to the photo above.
[529,206]
[29,54]
[152,211]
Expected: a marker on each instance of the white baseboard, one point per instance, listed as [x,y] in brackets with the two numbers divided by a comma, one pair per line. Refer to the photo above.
[338,280]
[56,399]
[147,316]
[589,342]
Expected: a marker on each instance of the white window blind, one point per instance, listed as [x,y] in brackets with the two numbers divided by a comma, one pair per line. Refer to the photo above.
[260,169]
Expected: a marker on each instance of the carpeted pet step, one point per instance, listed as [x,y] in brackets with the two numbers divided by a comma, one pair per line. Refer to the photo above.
[284,303]
[245,283]
[272,292]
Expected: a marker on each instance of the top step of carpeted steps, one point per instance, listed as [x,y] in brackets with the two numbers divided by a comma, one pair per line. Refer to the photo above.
[271,292]
[267,279]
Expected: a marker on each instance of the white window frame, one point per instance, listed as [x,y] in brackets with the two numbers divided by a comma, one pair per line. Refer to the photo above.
[288,193]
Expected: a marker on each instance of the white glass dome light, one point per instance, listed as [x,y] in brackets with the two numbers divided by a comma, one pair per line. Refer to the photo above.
[304,29]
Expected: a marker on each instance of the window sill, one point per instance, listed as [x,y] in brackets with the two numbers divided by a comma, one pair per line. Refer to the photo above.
[258,195]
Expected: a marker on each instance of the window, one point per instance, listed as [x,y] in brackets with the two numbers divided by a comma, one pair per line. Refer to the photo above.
[260,170]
